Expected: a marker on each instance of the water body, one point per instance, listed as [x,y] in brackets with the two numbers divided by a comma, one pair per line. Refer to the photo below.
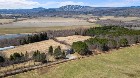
[9,36]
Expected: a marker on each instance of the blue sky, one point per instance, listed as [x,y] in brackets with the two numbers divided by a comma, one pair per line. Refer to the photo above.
[20,4]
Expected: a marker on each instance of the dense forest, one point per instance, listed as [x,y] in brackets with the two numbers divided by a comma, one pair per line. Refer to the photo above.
[106,38]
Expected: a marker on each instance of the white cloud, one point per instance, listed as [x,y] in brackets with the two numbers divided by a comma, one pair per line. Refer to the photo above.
[122,3]
[18,4]
[14,4]
[59,4]
[70,3]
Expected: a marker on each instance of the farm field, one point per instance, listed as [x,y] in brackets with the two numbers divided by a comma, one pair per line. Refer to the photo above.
[39,29]
[9,21]
[122,63]
[43,46]
[46,22]
[3,21]
[41,24]
[120,18]
[53,23]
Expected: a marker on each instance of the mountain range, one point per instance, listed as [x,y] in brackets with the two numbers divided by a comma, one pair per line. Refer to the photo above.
[76,9]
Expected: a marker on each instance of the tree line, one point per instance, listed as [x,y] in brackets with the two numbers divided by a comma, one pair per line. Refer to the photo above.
[40,37]
[106,38]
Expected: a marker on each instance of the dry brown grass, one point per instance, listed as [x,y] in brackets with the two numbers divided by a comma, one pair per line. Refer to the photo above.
[46,22]
[7,21]
[74,38]
[3,21]
[40,29]
[120,18]
[41,46]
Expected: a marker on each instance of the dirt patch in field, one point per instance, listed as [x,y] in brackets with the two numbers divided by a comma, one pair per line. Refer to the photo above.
[71,39]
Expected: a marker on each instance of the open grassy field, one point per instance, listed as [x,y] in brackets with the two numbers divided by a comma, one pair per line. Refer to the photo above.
[119,18]
[9,21]
[43,46]
[46,22]
[41,24]
[40,29]
[52,23]
[74,38]
[122,63]
[3,21]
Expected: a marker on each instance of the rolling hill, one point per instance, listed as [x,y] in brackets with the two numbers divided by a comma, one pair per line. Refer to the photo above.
[122,63]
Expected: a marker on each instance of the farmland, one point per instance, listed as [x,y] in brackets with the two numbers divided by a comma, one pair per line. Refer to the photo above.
[64,25]
[119,18]
[45,22]
[10,21]
[69,41]
[43,46]
[53,23]
[111,65]
[42,24]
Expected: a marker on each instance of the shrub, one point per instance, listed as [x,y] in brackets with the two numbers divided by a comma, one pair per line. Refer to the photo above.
[123,42]
[15,57]
[39,57]
[112,44]
[80,47]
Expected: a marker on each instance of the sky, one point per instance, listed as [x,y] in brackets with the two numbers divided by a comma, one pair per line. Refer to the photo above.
[28,4]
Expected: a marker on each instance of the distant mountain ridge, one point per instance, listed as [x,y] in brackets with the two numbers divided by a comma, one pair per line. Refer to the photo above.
[97,11]
[76,9]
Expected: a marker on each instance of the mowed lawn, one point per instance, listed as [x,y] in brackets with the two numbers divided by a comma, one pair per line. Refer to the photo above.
[122,63]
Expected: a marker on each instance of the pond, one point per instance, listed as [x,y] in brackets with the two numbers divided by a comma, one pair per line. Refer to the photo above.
[9,36]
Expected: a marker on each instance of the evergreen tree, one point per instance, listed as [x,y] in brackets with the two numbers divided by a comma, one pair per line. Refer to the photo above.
[50,50]
[57,53]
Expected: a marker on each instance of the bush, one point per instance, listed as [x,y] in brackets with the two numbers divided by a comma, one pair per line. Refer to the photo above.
[112,44]
[39,57]
[123,42]
[80,47]
[15,57]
